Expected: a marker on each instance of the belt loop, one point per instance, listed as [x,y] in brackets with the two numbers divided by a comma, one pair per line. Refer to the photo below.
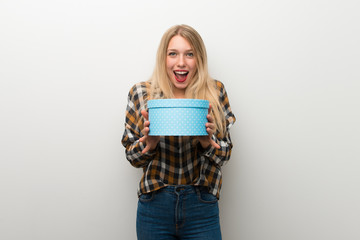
[197,189]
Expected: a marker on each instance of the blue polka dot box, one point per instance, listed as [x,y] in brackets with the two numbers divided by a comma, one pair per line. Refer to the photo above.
[178,117]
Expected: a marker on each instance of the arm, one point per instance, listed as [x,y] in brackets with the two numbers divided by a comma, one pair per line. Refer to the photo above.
[134,123]
[221,155]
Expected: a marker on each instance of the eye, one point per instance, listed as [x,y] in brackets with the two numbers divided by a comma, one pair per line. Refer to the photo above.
[190,54]
[172,53]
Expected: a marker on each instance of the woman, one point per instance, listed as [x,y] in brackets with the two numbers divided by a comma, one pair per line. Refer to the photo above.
[181,182]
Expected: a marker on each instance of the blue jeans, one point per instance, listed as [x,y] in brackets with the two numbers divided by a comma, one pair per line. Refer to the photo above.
[178,212]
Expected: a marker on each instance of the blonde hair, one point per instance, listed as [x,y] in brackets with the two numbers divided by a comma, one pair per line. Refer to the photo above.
[201,87]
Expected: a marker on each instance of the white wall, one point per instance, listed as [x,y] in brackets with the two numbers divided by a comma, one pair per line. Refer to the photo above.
[291,69]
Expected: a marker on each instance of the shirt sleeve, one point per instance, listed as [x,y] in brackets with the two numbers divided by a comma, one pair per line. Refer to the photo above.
[134,122]
[222,155]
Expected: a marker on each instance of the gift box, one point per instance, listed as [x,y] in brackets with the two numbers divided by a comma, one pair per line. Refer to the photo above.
[178,117]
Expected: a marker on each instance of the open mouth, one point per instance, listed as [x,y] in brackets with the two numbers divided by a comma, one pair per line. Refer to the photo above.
[181,76]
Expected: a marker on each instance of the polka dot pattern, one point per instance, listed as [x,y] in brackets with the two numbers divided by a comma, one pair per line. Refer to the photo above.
[178,117]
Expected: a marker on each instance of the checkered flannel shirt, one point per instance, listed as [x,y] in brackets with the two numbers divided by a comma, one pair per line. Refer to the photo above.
[176,160]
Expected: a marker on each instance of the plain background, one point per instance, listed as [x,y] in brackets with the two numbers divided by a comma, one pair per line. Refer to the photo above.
[291,69]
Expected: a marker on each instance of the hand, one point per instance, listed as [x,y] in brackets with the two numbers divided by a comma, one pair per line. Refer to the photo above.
[150,141]
[205,141]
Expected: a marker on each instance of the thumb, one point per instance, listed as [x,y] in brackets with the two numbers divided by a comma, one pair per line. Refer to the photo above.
[210,107]
[214,144]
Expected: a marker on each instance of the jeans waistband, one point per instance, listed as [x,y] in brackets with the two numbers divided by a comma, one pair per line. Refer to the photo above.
[181,189]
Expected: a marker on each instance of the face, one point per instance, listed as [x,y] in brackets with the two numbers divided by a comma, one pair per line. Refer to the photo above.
[180,64]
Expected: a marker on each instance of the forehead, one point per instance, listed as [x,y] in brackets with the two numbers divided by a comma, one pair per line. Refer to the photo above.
[180,43]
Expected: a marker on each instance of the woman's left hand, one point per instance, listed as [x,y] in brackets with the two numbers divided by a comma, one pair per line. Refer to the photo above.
[206,141]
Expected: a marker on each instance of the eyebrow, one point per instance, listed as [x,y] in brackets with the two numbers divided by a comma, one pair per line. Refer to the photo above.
[189,50]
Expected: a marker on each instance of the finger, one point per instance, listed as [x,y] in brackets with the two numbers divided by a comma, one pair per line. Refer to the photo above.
[145,114]
[146,123]
[210,125]
[145,131]
[209,131]
[214,144]
[143,139]
[210,118]
[147,148]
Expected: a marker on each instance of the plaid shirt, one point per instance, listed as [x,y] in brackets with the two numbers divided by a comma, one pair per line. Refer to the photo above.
[177,160]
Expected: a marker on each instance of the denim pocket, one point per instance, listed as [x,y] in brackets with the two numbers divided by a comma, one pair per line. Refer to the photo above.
[146,197]
[206,197]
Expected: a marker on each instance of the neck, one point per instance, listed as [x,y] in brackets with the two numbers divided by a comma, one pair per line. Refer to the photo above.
[179,94]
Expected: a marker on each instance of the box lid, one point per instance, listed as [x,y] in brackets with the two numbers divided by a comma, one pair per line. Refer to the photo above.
[178,103]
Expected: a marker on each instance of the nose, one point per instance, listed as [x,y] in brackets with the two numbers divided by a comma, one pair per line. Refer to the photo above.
[181,61]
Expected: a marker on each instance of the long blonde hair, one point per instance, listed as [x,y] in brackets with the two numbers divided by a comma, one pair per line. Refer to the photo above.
[201,87]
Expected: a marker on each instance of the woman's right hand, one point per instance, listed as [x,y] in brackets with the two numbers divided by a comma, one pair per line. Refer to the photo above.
[150,141]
